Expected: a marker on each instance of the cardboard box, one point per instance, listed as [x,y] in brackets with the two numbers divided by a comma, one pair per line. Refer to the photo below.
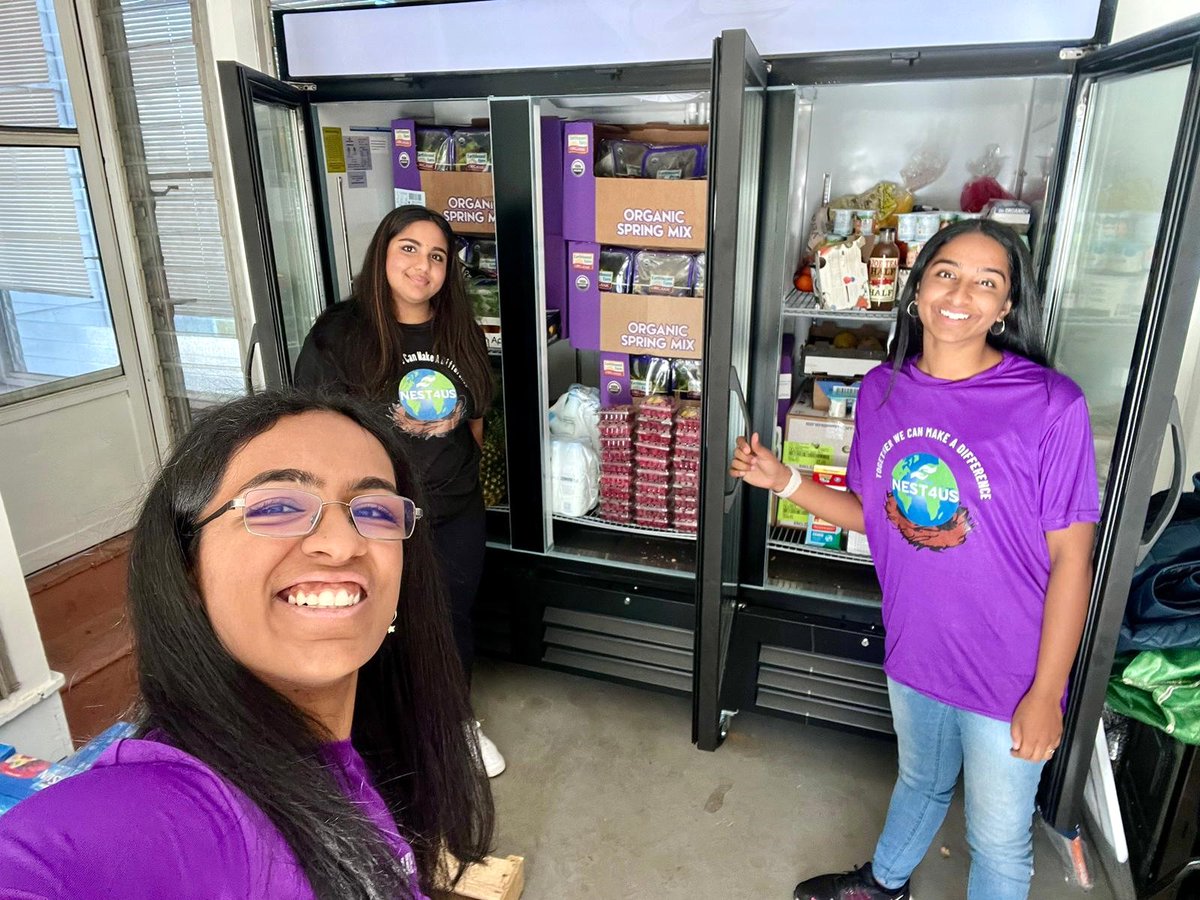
[583,294]
[614,380]
[492,879]
[466,199]
[639,324]
[807,426]
[653,213]
[787,513]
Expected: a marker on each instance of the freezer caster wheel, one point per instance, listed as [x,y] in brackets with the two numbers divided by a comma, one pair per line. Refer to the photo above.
[726,717]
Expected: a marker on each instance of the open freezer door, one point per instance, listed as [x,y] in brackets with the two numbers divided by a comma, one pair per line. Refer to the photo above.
[271,143]
[735,153]
[1120,286]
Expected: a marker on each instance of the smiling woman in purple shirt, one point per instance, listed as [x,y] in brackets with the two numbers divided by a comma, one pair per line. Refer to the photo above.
[301,731]
[973,476]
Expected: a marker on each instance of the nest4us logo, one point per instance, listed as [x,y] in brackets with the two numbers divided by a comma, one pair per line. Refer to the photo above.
[925,502]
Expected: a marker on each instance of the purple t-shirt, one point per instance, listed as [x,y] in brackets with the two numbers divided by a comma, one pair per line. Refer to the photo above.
[960,481]
[149,821]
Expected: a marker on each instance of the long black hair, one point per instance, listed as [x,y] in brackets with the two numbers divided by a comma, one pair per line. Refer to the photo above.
[410,711]
[456,335]
[1023,326]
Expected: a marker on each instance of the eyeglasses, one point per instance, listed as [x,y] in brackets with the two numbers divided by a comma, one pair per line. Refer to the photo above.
[287,513]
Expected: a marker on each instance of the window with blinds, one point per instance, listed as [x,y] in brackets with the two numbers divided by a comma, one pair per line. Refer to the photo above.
[55,323]
[153,71]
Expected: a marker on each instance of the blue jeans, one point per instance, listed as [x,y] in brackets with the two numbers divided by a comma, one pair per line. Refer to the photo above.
[936,741]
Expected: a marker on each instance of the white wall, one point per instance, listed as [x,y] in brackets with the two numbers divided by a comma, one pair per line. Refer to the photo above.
[1136,16]
[32,719]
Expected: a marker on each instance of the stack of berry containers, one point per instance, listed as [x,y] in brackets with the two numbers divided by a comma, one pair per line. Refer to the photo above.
[652,453]
[616,464]
[685,484]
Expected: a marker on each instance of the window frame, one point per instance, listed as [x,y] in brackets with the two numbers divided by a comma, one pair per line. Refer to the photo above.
[85,139]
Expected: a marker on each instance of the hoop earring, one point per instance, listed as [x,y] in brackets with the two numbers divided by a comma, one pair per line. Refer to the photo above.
[992,330]
[392,627]
[911,309]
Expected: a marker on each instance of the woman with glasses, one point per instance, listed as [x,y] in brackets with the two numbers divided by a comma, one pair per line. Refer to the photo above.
[407,341]
[300,732]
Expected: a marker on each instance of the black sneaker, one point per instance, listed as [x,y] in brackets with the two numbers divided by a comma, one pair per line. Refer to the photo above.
[859,884]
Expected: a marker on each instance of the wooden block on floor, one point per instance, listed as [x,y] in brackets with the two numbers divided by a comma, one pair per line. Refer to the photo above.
[492,879]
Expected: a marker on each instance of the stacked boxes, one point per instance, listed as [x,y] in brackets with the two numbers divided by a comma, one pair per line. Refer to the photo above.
[685,486]
[652,456]
[616,464]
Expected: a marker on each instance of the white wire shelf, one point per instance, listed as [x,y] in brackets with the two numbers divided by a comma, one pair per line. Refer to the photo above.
[629,528]
[802,305]
[791,540]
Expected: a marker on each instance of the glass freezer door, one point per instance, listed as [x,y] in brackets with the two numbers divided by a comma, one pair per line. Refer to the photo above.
[1120,286]
[265,121]
[739,97]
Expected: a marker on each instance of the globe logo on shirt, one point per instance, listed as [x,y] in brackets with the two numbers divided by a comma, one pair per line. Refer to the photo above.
[427,395]
[925,490]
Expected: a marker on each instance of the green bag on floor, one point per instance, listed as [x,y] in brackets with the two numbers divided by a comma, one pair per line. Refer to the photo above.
[1160,688]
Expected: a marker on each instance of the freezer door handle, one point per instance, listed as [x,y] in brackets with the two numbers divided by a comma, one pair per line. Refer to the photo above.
[248,370]
[735,388]
[1154,530]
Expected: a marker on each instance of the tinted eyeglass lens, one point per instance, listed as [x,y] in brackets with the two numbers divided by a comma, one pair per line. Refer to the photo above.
[280,512]
[385,517]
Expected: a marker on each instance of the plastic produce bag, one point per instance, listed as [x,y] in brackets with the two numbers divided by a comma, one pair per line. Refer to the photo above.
[688,378]
[627,157]
[887,198]
[657,272]
[576,415]
[574,477]
[483,258]
[473,149]
[924,167]
[484,294]
[698,275]
[435,149]
[983,185]
[649,375]
[677,162]
[616,270]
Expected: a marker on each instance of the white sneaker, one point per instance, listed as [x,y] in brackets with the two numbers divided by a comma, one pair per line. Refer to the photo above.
[493,762]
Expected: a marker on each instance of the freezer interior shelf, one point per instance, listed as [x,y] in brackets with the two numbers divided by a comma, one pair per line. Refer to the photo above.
[625,528]
[803,305]
[791,540]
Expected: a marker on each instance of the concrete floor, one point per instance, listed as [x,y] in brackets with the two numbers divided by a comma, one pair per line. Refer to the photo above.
[606,798]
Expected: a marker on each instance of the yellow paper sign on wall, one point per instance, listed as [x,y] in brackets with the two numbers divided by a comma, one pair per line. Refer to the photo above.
[335,150]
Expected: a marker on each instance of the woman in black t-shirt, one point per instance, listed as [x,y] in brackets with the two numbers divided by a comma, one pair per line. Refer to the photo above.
[407,339]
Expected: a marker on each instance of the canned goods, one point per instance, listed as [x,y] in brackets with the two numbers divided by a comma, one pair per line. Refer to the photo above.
[843,222]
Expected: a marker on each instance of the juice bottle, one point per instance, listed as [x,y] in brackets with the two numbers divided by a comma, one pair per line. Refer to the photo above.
[881,270]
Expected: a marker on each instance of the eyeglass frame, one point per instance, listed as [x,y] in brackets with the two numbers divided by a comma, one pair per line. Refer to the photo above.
[240,503]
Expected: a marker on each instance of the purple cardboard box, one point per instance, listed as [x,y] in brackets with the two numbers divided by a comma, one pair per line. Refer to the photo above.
[583,292]
[614,380]
[406,177]
[579,182]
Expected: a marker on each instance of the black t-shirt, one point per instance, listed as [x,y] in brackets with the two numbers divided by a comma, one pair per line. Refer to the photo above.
[430,405]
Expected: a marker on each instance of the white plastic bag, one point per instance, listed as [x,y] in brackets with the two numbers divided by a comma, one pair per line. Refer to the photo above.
[574,477]
[576,414]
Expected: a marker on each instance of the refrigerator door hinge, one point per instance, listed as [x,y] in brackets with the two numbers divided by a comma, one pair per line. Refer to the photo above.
[306,86]
[905,57]
[1067,54]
